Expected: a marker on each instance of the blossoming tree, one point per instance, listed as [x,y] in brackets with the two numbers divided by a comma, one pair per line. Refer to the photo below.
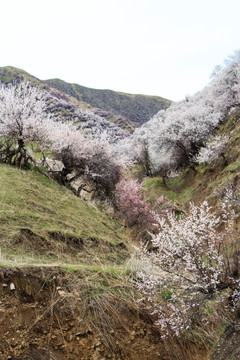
[22,119]
[189,264]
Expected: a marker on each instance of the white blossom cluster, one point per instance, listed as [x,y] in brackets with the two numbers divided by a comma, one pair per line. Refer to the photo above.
[174,136]
[213,149]
[191,265]
[22,112]
[25,122]
[96,125]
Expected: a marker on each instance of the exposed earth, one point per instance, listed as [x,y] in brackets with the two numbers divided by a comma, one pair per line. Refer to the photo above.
[41,317]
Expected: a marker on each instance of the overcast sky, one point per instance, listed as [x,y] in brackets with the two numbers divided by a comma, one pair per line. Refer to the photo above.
[156,47]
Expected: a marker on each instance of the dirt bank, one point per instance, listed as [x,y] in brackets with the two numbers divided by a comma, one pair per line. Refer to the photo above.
[47,314]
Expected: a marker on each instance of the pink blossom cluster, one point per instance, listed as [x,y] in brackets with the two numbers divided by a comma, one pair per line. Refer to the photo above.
[131,204]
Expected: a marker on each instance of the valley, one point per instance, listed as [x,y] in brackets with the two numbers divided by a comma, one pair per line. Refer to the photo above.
[120,217]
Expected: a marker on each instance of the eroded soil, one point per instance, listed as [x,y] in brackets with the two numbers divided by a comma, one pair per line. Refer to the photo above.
[43,316]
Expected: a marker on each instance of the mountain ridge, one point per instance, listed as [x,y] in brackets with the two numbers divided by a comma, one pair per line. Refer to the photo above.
[123,109]
[138,108]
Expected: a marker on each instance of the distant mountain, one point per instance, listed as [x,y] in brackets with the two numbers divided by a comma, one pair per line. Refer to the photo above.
[124,110]
[136,108]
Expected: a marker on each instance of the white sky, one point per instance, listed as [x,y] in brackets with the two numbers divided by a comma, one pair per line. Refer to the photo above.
[157,47]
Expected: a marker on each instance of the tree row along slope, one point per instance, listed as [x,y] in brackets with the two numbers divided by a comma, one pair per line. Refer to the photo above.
[207,181]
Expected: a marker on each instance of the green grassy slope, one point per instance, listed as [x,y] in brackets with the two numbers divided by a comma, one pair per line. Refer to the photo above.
[44,222]
[136,108]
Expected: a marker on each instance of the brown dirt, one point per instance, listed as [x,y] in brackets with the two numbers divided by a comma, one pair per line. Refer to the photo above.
[41,317]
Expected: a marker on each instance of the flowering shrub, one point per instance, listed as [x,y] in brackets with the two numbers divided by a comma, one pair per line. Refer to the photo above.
[135,210]
[190,264]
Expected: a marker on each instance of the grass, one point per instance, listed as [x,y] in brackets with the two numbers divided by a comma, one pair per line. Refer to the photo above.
[154,187]
[41,219]
[235,166]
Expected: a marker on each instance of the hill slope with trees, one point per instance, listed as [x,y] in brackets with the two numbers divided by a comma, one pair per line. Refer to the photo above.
[159,271]
[136,108]
[125,110]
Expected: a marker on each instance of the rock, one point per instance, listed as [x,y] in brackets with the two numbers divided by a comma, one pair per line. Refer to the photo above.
[12,287]
[54,165]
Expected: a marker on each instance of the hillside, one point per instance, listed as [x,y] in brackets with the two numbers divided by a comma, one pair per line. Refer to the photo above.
[65,267]
[218,183]
[124,110]
[64,286]
[9,74]
[136,108]
[64,278]
[44,222]
[136,267]
[205,182]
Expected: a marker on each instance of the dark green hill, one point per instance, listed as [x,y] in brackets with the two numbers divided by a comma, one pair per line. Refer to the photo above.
[136,108]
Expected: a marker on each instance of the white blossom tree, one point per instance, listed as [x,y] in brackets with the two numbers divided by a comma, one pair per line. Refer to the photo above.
[22,119]
[175,136]
[189,264]
[88,157]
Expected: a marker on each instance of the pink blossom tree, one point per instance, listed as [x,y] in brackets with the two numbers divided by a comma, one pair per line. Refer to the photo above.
[132,207]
